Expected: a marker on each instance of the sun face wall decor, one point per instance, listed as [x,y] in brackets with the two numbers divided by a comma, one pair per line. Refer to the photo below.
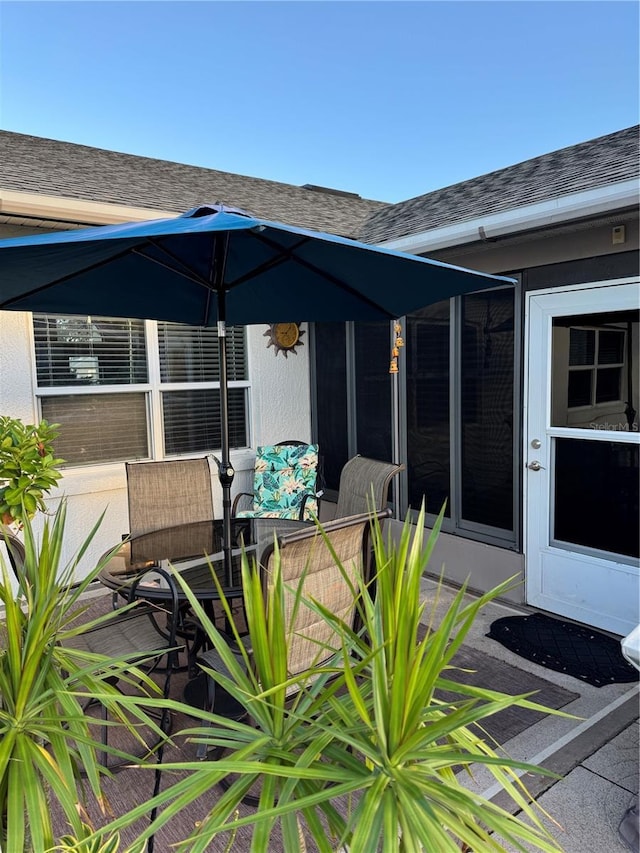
[284,337]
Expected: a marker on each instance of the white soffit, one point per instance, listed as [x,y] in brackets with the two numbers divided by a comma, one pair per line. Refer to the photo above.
[543,214]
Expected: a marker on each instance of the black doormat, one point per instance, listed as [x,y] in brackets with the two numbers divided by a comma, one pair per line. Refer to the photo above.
[577,650]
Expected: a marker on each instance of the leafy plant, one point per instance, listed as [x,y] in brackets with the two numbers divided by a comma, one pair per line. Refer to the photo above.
[88,842]
[28,467]
[369,728]
[45,737]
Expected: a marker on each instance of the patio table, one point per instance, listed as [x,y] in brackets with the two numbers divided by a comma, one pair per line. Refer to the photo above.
[188,549]
[191,550]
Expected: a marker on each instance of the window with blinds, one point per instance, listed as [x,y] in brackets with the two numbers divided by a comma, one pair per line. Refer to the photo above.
[81,351]
[190,353]
[191,420]
[97,378]
[98,427]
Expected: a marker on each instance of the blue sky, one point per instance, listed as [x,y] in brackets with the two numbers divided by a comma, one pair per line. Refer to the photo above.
[386,99]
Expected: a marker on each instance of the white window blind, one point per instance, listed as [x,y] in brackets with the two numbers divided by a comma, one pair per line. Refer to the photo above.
[190,353]
[95,378]
[98,427]
[89,351]
[192,420]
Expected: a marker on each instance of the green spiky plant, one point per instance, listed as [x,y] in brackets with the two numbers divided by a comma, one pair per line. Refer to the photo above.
[89,842]
[45,737]
[370,729]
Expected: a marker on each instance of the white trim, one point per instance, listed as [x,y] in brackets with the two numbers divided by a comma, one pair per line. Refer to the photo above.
[74,210]
[546,562]
[540,757]
[551,212]
[587,285]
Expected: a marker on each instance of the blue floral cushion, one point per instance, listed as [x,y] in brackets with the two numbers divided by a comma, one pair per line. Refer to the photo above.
[284,475]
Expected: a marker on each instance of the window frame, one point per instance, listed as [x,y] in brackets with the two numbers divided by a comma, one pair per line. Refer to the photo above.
[455,523]
[594,367]
[153,390]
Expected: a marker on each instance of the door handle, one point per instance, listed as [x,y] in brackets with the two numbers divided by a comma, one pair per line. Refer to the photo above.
[535,466]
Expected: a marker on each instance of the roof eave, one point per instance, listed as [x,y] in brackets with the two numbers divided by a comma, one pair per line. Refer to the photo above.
[62,209]
[530,217]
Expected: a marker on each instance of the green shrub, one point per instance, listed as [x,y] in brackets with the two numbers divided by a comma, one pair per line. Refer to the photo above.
[46,739]
[28,468]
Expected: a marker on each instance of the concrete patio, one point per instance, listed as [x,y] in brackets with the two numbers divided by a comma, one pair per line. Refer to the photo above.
[597,755]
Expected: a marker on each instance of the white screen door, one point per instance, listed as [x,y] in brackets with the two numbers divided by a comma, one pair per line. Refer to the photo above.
[581,454]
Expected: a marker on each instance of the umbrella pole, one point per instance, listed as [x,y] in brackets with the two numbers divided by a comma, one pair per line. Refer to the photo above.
[225,469]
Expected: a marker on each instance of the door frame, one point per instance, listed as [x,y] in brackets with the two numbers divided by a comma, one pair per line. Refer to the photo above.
[616,609]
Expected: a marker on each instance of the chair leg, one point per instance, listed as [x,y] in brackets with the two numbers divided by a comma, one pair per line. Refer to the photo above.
[164,717]
[165,726]
[218,751]
[201,752]
[197,645]
[104,758]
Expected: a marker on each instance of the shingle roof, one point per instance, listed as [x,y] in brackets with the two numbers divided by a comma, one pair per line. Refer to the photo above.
[599,162]
[51,167]
[46,166]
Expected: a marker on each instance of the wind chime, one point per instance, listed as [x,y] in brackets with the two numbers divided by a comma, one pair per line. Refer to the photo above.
[395,352]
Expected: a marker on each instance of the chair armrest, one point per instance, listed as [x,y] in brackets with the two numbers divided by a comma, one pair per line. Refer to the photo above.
[173,614]
[303,503]
[236,500]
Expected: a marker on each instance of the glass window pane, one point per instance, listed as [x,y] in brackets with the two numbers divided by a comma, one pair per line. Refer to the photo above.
[608,384]
[89,351]
[596,495]
[486,413]
[582,347]
[98,427]
[604,394]
[373,390]
[579,392]
[192,420]
[331,389]
[428,369]
[190,353]
[610,347]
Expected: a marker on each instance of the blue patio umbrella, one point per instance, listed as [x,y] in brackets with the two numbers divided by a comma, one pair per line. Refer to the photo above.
[216,265]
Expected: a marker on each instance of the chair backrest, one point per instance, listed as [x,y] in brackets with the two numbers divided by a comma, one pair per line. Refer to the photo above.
[284,474]
[12,555]
[305,557]
[358,477]
[168,493]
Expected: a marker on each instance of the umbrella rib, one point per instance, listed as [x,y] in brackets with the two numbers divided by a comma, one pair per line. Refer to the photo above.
[186,272]
[289,254]
[69,277]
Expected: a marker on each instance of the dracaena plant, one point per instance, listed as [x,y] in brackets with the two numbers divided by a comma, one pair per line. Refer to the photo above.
[368,729]
[89,842]
[28,468]
[46,739]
